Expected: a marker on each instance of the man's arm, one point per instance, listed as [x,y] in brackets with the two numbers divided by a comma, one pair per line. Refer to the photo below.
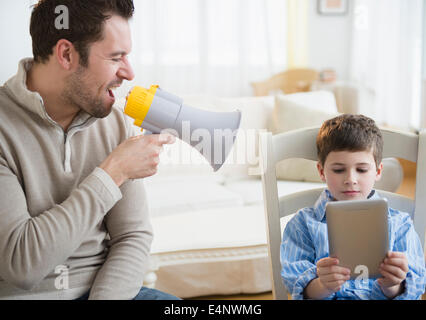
[129,227]
[137,157]
[128,223]
[31,247]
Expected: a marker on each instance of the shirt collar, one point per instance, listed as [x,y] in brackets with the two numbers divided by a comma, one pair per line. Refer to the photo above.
[33,102]
[326,196]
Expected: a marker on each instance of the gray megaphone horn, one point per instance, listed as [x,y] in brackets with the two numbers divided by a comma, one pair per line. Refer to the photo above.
[156,110]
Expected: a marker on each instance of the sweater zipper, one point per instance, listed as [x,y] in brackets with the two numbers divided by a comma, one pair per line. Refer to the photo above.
[67,145]
[67,155]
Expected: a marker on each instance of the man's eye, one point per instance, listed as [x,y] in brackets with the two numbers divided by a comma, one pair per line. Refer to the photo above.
[116,60]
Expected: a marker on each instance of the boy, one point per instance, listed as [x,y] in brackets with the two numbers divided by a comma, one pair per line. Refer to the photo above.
[350,153]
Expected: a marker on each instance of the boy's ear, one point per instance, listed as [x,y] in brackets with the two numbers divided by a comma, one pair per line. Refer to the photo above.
[320,169]
[379,171]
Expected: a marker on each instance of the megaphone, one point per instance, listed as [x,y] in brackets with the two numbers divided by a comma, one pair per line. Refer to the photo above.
[156,111]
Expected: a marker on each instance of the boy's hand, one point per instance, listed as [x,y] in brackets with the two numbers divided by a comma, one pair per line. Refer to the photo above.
[331,275]
[330,279]
[394,271]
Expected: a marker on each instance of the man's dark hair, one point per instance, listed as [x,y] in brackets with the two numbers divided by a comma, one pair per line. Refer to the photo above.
[349,132]
[86,21]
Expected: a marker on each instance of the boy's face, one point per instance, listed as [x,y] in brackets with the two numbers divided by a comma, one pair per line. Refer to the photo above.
[350,175]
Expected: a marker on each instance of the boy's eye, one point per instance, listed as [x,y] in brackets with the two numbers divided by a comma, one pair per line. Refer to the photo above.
[338,170]
[362,170]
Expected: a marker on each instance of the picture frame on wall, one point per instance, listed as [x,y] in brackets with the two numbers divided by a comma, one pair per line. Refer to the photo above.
[332,7]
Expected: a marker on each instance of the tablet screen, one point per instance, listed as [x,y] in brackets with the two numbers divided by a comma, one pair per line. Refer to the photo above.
[358,235]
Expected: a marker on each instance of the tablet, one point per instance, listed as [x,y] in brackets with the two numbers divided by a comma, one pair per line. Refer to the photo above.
[358,235]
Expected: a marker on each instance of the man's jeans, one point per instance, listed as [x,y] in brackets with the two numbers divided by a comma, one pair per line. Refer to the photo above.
[144,294]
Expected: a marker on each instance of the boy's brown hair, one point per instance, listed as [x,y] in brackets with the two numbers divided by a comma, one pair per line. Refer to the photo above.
[86,21]
[349,132]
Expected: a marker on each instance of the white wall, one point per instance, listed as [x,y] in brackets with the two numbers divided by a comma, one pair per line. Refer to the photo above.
[329,38]
[424,40]
[329,41]
[14,35]
[423,103]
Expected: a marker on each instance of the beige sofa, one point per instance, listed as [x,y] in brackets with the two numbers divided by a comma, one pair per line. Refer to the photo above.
[209,228]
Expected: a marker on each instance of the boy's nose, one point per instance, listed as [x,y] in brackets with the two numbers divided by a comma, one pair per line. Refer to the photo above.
[350,178]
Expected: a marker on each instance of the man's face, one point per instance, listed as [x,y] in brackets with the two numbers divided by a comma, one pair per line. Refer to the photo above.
[350,175]
[90,88]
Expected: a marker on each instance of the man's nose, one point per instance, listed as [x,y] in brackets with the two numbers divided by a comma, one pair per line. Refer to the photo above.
[126,71]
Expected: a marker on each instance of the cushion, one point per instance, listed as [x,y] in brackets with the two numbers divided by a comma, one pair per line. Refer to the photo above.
[252,193]
[295,111]
[256,113]
[177,194]
[392,175]
[200,229]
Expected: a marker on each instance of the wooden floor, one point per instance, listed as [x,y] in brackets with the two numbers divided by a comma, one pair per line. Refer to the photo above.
[407,189]
[260,296]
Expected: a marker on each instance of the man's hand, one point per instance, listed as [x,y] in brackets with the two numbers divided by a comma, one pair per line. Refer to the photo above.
[137,157]
[394,271]
[330,279]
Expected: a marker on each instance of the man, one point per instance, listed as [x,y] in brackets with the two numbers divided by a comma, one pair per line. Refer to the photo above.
[73,208]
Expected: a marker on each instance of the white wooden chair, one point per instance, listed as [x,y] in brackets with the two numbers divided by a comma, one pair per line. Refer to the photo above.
[302,144]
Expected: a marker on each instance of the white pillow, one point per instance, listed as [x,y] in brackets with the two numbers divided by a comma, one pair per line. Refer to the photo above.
[300,110]
[256,113]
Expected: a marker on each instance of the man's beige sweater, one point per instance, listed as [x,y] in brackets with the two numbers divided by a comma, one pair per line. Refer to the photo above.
[65,227]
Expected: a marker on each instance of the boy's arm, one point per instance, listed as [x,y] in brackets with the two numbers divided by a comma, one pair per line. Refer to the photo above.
[406,242]
[297,254]
[315,290]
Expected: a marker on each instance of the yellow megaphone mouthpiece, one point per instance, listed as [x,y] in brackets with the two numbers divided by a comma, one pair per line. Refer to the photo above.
[138,102]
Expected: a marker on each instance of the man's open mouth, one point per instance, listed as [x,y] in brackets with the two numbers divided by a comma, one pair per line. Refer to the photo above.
[110,90]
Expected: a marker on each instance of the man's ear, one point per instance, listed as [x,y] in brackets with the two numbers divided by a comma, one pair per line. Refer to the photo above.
[320,169]
[66,55]
[379,171]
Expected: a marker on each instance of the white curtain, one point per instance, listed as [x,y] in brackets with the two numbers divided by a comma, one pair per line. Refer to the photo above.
[386,60]
[297,34]
[423,108]
[214,47]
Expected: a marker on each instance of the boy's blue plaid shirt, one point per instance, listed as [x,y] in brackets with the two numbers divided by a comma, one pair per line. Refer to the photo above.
[305,241]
